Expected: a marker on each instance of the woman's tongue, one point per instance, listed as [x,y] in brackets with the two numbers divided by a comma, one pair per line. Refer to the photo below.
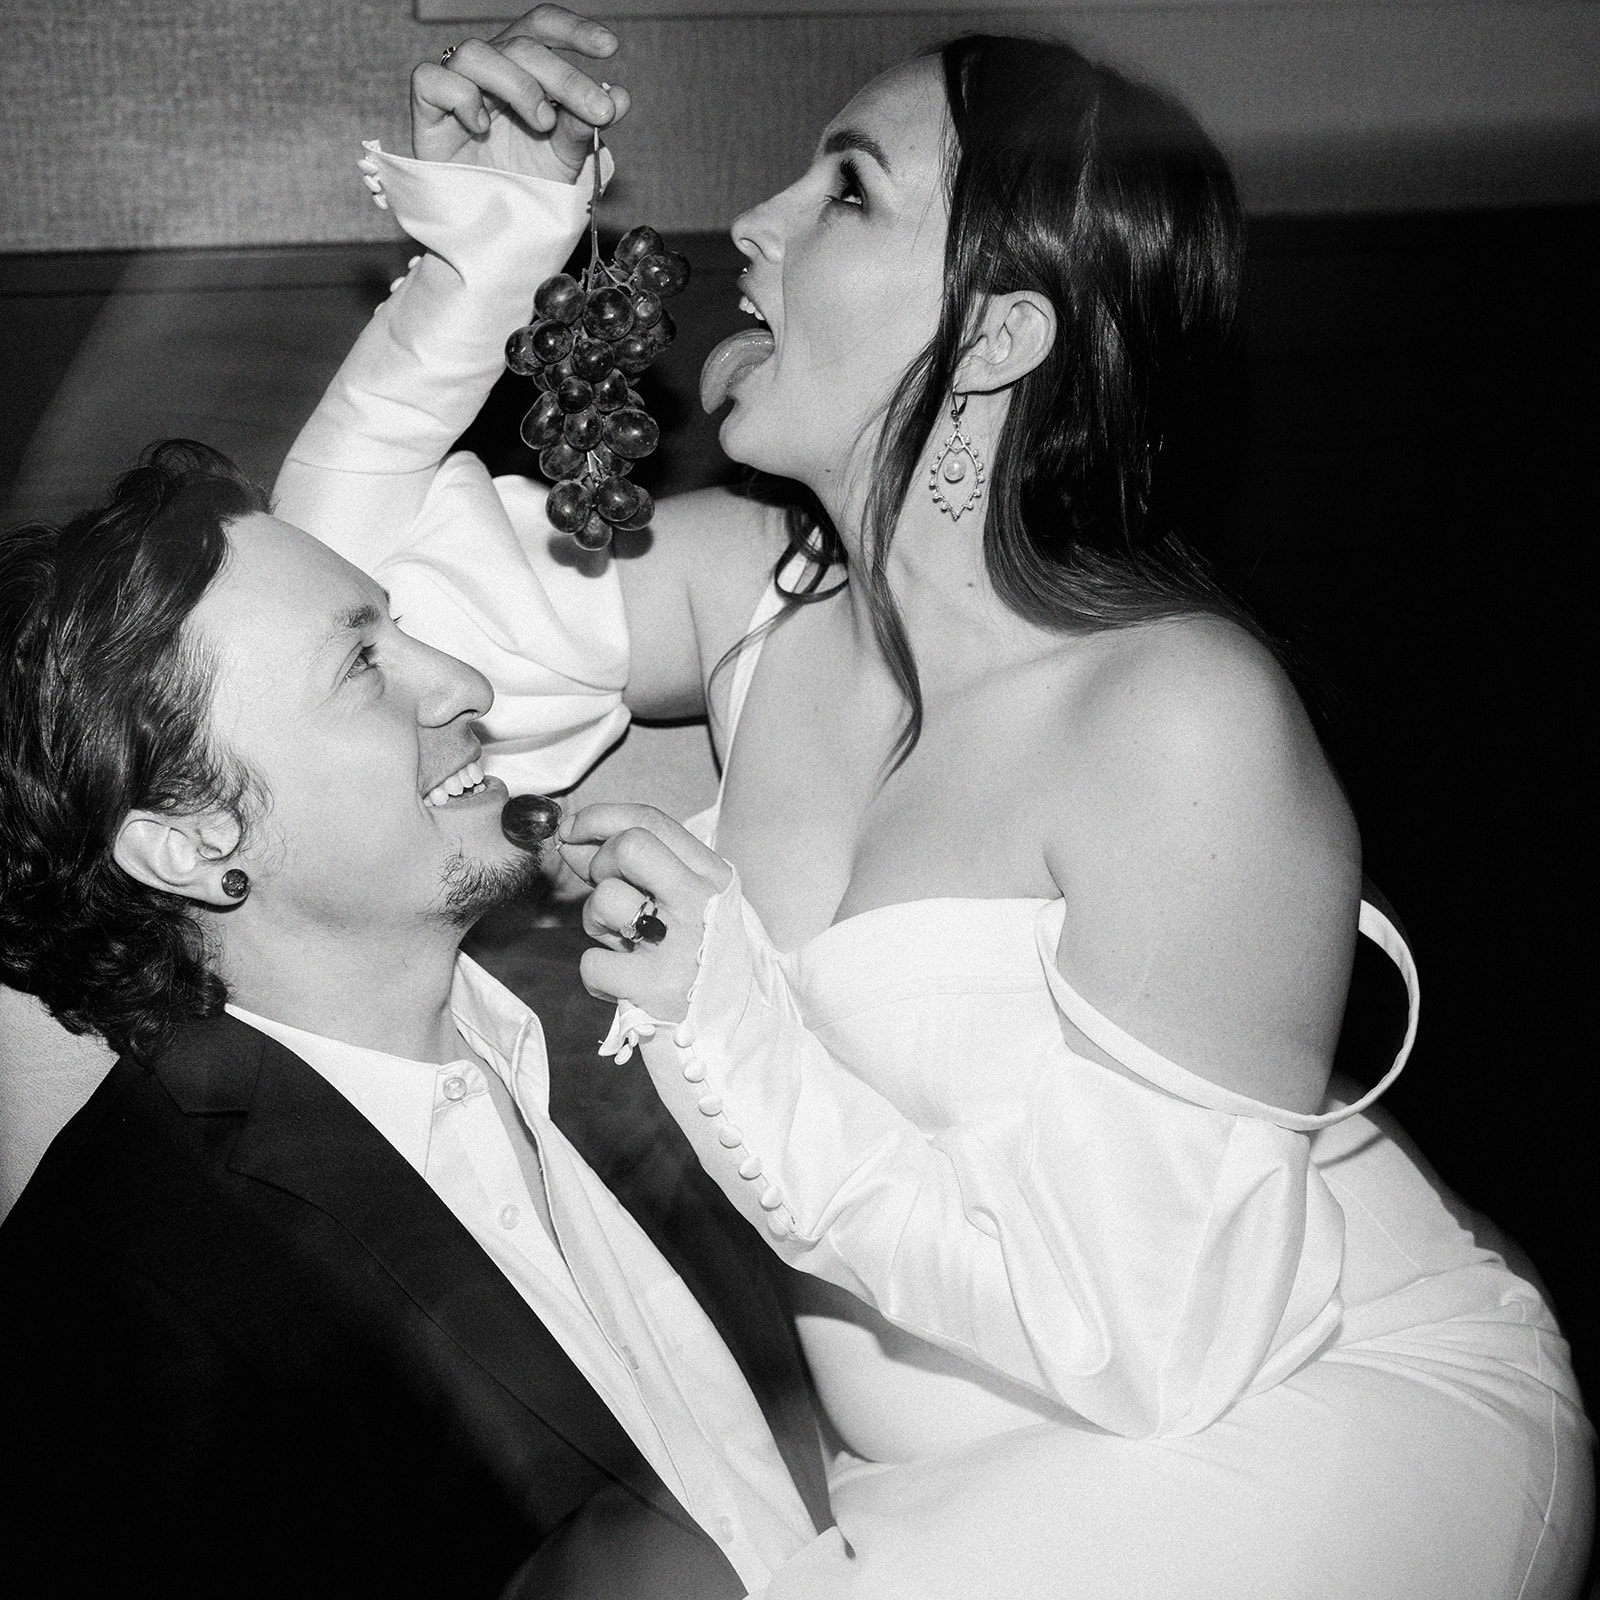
[729,362]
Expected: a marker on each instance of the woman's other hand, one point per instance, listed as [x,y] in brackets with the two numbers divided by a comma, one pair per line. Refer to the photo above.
[632,854]
[512,103]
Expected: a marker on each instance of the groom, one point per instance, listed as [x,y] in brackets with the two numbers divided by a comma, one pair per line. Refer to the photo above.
[313,1298]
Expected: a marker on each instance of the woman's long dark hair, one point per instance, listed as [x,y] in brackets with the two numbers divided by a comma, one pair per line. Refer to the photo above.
[1105,196]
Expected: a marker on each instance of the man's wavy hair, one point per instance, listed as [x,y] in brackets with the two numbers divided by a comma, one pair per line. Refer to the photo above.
[105,710]
[1105,196]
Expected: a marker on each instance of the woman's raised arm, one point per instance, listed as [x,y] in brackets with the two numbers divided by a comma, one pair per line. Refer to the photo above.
[497,196]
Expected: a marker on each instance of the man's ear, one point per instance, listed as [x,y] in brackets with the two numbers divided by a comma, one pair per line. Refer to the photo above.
[182,855]
[1015,333]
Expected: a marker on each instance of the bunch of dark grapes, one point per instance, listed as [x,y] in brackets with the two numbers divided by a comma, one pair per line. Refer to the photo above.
[587,341]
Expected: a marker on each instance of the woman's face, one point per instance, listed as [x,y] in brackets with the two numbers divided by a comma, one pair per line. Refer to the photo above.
[846,267]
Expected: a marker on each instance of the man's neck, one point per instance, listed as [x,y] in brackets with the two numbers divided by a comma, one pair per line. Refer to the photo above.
[390,994]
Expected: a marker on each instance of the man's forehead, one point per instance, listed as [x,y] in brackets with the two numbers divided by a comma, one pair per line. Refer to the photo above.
[283,594]
[274,561]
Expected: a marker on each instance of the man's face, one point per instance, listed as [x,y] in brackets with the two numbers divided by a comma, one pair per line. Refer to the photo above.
[361,735]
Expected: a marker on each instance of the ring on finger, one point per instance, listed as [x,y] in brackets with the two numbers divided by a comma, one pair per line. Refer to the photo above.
[646,927]
[444,60]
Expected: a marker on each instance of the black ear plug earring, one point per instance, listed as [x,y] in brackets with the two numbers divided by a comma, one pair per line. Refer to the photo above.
[235,884]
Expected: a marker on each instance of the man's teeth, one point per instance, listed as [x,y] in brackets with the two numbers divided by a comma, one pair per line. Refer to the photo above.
[458,783]
[746,304]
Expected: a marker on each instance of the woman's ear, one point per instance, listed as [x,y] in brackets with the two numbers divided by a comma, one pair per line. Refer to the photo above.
[1015,333]
[180,855]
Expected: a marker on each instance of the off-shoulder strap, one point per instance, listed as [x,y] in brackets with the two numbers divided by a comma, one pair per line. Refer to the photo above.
[744,664]
[703,825]
[1140,1059]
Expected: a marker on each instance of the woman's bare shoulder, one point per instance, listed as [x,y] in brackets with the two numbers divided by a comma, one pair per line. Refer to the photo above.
[1210,854]
[1198,691]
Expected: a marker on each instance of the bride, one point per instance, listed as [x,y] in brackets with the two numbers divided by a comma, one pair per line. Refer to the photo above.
[1001,985]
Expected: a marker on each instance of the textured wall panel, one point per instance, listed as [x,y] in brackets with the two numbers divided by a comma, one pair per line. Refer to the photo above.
[225,122]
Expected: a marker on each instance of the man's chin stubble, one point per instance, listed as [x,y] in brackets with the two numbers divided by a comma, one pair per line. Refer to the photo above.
[473,888]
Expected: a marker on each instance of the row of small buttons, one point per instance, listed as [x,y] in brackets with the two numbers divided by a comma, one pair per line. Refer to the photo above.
[369,176]
[780,1223]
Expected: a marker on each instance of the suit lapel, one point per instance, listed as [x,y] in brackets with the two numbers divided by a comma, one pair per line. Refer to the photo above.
[301,1136]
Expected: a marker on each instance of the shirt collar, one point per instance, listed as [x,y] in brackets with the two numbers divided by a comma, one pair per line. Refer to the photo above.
[399,1096]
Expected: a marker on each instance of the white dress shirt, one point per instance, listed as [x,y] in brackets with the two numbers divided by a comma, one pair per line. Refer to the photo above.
[612,1302]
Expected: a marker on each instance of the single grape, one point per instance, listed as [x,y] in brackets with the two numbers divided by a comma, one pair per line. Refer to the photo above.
[642,513]
[634,246]
[527,820]
[665,273]
[646,308]
[520,356]
[632,433]
[568,505]
[592,359]
[609,313]
[595,534]
[551,341]
[617,499]
[611,392]
[542,425]
[575,394]
[584,429]
[560,299]
[636,400]
[559,461]
[661,333]
[633,354]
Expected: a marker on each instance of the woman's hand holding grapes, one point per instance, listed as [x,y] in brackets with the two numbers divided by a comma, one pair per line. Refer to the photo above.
[512,103]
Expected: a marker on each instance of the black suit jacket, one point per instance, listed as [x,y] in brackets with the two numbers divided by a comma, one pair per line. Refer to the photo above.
[245,1349]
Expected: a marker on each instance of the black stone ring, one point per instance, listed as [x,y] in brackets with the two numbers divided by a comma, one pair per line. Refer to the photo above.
[646,927]
[444,60]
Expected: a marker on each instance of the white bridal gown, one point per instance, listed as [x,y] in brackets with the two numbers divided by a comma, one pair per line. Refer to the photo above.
[1135,1336]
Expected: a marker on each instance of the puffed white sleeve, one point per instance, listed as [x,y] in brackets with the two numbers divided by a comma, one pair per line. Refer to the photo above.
[471,564]
[1142,1261]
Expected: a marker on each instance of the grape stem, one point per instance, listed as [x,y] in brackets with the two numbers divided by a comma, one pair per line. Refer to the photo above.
[596,266]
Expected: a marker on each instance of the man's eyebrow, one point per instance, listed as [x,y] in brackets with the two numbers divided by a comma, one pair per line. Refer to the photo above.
[356,619]
[853,139]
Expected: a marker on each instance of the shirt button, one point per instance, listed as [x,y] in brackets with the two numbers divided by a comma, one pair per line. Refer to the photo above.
[729,1136]
[725,1529]
[694,1070]
[509,1216]
[778,1225]
[770,1199]
[454,1088]
[710,1105]
[750,1167]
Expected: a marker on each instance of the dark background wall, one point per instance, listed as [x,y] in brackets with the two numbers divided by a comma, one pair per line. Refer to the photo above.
[1409,499]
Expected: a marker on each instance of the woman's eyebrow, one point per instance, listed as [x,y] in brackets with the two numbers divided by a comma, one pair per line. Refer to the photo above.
[853,139]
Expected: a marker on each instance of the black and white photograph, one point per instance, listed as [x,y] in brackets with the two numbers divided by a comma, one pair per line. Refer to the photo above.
[790,799]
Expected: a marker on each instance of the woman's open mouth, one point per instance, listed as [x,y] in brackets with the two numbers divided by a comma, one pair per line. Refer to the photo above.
[735,356]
